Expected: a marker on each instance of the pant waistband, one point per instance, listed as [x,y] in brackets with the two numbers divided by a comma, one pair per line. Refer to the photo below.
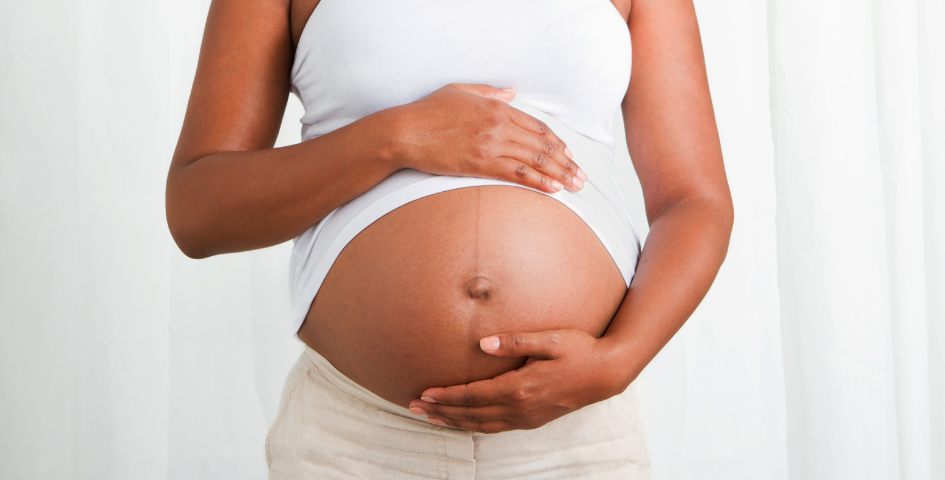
[350,387]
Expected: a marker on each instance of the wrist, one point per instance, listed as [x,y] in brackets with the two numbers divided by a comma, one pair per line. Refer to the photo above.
[394,151]
[621,357]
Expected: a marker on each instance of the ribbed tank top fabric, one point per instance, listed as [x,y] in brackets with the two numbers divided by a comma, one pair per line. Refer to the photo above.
[568,60]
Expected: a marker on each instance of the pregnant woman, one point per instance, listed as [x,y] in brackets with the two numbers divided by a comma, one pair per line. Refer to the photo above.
[465,276]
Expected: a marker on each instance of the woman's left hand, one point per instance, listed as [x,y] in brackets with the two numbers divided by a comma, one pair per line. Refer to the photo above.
[565,370]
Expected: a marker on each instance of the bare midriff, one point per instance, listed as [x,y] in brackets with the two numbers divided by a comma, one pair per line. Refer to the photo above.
[405,303]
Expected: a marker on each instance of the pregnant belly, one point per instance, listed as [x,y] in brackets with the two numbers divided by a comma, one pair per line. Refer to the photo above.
[405,303]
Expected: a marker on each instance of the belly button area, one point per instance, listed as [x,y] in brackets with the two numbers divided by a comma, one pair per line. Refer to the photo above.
[478,288]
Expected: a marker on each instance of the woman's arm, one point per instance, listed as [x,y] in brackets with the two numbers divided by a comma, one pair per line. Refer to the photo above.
[674,144]
[228,190]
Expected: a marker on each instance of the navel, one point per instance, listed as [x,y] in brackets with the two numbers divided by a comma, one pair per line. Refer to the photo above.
[478,288]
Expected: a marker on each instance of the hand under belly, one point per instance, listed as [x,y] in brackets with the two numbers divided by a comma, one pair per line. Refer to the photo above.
[405,303]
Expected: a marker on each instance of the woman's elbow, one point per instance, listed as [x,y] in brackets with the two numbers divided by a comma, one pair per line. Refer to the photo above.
[187,240]
[187,230]
[727,214]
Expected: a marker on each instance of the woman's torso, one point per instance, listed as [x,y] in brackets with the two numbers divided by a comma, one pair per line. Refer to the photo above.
[407,299]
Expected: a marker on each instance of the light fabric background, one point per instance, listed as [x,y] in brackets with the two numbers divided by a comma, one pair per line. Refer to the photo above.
[818,354]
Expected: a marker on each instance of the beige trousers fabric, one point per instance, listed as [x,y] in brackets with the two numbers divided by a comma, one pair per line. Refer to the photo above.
[329,427]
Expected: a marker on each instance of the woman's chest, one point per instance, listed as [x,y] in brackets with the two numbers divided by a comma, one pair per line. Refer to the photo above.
[570,56]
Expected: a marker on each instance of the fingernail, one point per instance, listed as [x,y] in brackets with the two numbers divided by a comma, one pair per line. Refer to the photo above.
[490,344]
[581,175]
[417,411]
[436,421]
[428,399]
[508,90]
[567,151]
[578,184]
[556,185]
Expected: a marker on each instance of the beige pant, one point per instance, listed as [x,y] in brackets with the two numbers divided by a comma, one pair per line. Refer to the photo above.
[329,427]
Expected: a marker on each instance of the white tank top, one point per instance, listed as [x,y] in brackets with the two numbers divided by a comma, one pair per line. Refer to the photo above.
[568,60]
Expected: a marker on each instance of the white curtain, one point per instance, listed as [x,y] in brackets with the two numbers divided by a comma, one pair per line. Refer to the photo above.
[818,354]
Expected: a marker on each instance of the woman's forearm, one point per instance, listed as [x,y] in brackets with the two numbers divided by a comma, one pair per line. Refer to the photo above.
[242,200]
[684,249]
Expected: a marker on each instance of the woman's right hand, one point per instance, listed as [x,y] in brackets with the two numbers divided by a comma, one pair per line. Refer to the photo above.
[470,130]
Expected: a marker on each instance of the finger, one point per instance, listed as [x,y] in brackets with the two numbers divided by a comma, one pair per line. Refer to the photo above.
[548,344]
[506,95]
[476,394]
[536,126]
[489,413]
[534,138]
[554,165]
[520,172]
[486,427]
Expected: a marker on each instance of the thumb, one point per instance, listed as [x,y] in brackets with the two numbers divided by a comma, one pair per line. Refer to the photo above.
[504,94]
[549,344]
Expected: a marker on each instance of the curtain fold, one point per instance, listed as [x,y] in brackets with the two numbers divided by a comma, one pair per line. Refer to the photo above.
[896,41]
[832,246]
[931,66]
[819,353]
